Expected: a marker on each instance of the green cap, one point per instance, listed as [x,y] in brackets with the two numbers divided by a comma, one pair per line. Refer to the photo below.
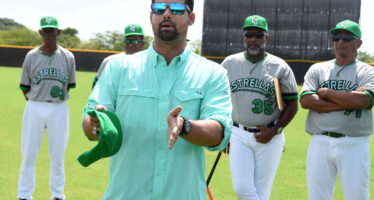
[48,22]
[255,21]
[110,137]
[133,29]
[347,25]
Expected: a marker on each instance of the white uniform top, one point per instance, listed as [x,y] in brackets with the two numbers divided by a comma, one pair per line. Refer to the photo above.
[252,88]
[48,77]
[347,78]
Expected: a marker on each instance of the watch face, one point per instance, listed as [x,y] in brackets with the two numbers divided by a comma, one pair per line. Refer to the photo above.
[188,126]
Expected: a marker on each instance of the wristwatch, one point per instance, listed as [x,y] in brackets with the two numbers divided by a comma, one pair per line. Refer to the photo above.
[279,128]
[186,128]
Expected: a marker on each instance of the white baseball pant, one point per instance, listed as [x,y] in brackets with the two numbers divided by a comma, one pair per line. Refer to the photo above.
[37,116]
[253,165]
[348,156]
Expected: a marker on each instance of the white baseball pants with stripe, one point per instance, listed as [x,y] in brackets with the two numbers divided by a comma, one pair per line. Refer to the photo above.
[37,116]
[253,165]
[348,156]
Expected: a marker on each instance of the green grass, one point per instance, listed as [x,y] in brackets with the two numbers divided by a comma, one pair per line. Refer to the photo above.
[90,183]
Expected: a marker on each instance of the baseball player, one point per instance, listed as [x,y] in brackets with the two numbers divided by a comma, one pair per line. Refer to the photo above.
[339,96]
[257,140]
[134,42]
[48,72]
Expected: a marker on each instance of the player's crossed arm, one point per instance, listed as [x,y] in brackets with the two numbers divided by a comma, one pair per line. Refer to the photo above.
[327,100]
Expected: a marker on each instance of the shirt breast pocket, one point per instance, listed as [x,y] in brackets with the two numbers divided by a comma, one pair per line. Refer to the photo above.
[136,100]
[190,100]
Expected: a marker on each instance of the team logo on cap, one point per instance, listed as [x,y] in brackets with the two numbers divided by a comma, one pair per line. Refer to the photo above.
[132,28]
[48,20]
[344,24]
[255,21]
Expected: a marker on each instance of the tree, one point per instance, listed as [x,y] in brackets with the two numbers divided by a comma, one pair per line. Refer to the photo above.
[148,40]
[69,39]
[365,57]
[110,40]
[195,46]
[6,23]
[20,36]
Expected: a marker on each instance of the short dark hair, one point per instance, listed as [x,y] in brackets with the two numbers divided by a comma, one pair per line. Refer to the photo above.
[189,3]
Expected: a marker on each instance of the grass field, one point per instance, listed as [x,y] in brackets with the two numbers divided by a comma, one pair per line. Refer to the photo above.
[90,183]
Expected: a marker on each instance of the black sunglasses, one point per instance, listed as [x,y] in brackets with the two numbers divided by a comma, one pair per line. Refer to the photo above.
[258,35]
[133,41]
[345,38]
[159,8]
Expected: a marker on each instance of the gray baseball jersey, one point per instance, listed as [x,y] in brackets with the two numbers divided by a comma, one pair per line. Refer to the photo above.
[252,88]
[104,63]
[106,60]
[48,77]
[347,78]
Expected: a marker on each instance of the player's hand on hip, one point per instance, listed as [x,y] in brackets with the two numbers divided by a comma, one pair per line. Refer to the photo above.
[175,124]
[265,134]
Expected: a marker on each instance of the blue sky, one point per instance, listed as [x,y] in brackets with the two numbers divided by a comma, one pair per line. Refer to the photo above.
[93,16]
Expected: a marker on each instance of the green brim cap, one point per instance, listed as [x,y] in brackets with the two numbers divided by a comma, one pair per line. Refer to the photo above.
[347,25]
[133,29]
[48,22]
[255,21]
[110,138]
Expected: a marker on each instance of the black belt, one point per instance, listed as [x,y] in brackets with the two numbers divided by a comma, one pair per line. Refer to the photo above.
[252,129]
[333,134]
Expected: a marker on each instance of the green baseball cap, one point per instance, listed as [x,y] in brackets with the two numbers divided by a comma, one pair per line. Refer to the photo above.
[110,137]
[133,29]
[48,22]
[347,25]
[255,21]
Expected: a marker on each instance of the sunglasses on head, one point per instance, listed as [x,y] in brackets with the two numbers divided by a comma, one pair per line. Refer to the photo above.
[132,41]
[258,35]
[159,8]
[345,38]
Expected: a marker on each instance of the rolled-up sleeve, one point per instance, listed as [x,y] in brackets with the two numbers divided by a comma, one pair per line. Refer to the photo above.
[217,104]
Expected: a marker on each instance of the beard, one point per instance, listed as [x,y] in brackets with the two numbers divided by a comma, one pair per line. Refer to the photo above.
[256,51]
[167,35]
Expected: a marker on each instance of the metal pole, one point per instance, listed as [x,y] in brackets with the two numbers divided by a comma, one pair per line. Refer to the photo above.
[213,168]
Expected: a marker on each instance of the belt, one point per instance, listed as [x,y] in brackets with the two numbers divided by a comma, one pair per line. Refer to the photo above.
[249,129]
[333,134]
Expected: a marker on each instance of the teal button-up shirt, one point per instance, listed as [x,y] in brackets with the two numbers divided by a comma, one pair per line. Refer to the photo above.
[141,89]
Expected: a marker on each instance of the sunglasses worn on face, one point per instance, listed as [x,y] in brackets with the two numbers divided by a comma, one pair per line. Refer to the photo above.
[345,38]
[133,41]
[176,8]
[258,35]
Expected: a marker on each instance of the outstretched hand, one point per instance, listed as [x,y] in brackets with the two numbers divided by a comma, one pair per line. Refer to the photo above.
[175,124]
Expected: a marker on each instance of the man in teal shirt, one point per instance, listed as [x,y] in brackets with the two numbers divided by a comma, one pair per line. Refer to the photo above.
[148,91]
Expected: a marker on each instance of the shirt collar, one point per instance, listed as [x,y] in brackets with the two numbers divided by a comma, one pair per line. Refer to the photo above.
[155,58]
